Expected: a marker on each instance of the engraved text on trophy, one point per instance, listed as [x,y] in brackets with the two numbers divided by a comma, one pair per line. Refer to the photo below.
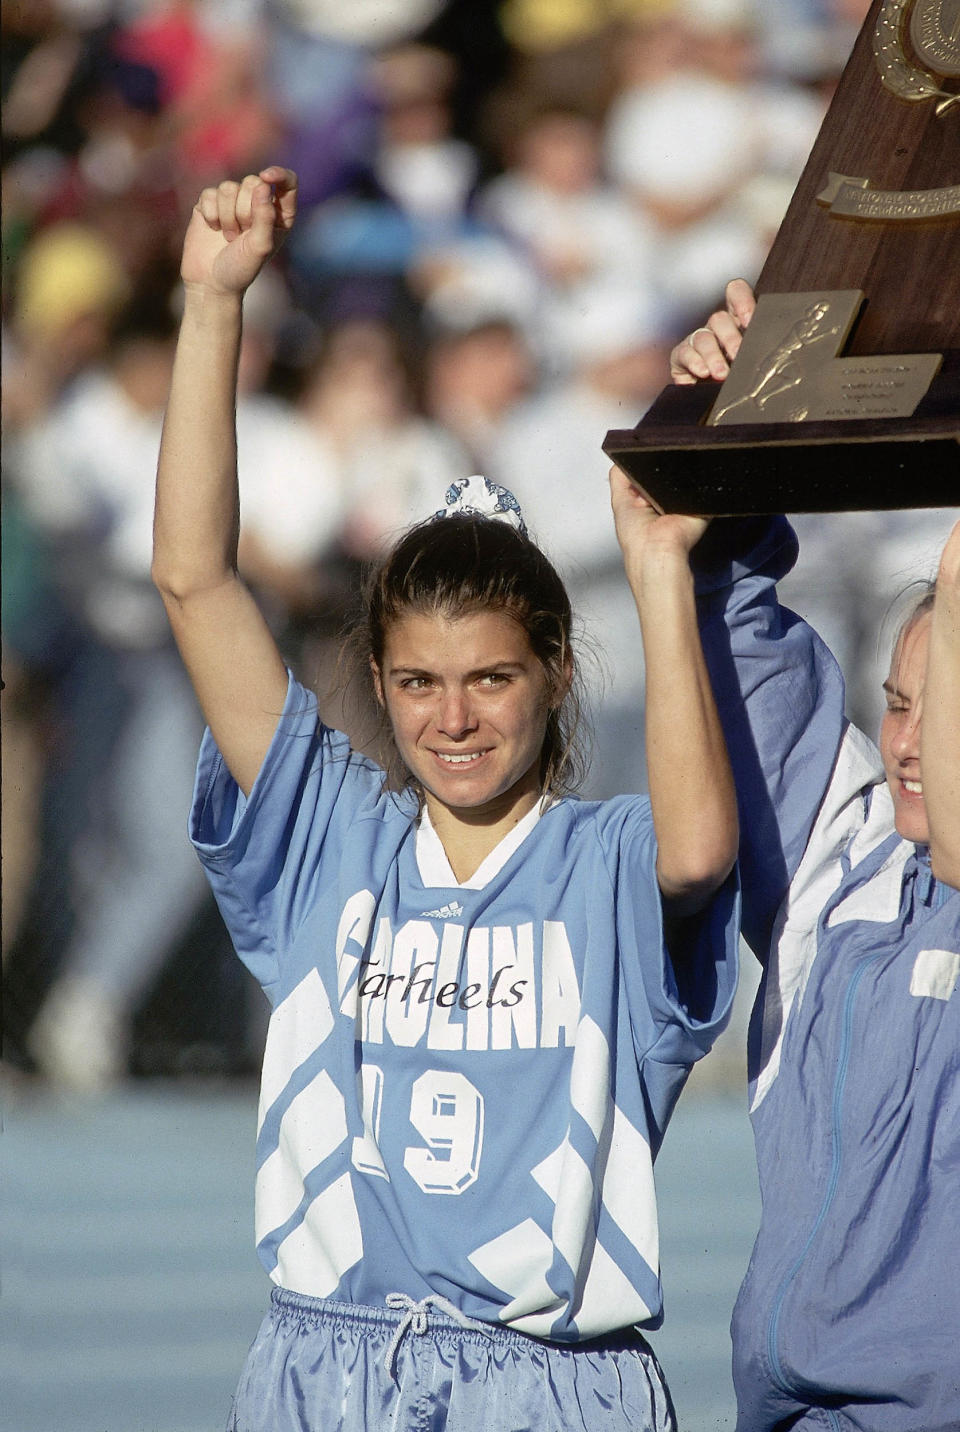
[788,371]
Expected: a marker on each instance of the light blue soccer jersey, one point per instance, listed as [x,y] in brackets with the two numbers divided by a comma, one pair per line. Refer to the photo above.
[464,1085]
[849,1316]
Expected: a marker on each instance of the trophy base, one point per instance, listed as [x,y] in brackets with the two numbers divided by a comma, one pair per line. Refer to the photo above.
[854,465]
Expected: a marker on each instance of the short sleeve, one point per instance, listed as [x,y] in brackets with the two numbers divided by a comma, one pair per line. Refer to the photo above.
[679,996]
[264,854]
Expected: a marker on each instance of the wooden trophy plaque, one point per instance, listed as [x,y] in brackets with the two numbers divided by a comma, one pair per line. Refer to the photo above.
[845,394]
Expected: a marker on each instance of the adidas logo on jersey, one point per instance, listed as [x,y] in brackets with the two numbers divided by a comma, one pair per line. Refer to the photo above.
[446,912]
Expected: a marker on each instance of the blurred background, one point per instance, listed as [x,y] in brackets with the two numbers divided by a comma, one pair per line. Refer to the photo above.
[510,211]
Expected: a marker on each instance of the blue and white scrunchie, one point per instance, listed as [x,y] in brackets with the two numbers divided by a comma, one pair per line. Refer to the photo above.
[487,499]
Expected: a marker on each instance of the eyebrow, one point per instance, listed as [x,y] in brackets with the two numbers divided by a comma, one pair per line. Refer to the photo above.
[468,675]
[893,690]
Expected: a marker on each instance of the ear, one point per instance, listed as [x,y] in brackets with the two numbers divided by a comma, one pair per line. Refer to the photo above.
[377,682]
[562,688]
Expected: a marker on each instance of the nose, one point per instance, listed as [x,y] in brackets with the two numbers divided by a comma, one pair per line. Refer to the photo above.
[906,737]
[455,717]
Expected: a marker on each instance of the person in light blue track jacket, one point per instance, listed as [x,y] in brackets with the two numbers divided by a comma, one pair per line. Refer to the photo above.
[849,1315]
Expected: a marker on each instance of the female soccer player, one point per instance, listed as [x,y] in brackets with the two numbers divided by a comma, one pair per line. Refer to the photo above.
[486,993]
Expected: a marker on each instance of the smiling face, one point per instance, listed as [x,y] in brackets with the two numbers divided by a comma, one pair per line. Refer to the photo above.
[468,702]
[900,730]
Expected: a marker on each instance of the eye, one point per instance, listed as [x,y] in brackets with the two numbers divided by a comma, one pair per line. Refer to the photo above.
[493,679]
[414,683]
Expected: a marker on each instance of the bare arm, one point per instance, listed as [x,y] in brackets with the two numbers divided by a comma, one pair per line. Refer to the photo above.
[236,669]
[940,732]
[691,786]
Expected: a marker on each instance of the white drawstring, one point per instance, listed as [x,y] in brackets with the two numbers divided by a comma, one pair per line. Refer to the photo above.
[415,1320]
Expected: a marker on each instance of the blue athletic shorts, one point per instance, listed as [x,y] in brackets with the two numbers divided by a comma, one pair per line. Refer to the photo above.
[323,1366]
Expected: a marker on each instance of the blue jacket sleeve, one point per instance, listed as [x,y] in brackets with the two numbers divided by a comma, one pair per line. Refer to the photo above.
[780,696]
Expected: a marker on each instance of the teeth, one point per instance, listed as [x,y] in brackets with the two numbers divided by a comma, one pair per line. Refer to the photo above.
[914,787]
[460,760]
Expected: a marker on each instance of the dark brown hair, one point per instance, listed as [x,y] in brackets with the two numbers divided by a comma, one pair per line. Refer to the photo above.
[467,563]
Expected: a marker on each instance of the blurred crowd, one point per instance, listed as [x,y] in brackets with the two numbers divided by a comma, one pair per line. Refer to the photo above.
[510,210]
